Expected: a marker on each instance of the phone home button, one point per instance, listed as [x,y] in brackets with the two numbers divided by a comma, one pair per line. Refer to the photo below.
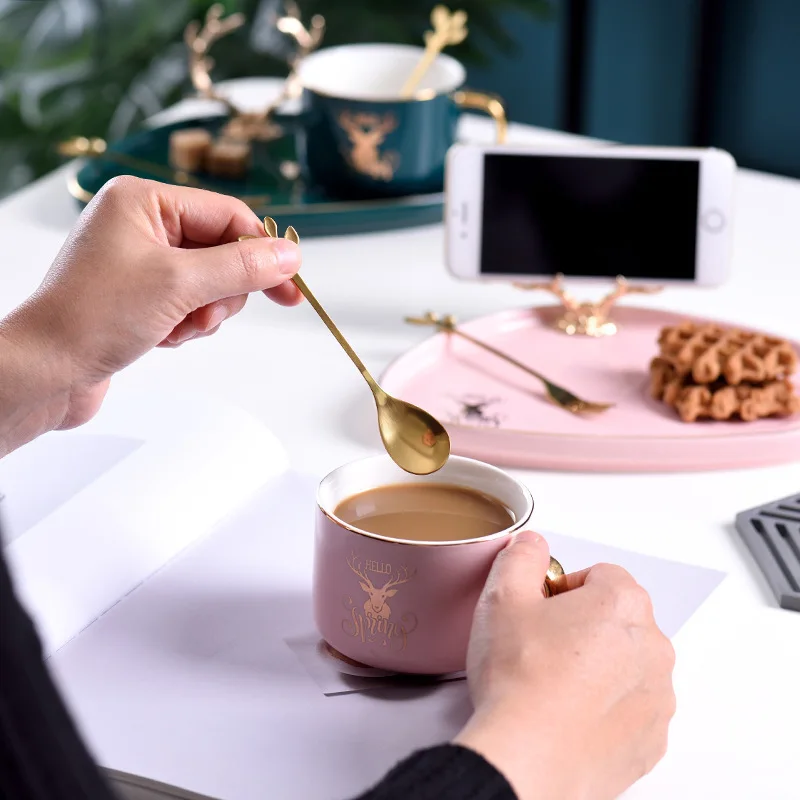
[714,220]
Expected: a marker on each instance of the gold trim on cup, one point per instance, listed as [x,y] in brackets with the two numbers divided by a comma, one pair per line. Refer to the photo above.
[493,106]
[422,96]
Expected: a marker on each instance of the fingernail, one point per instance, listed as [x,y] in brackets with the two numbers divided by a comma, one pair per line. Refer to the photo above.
[217,317]
[288,255]
[184,336]
[528,536]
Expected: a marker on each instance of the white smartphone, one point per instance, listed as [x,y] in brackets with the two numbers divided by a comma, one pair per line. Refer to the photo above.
[647,213]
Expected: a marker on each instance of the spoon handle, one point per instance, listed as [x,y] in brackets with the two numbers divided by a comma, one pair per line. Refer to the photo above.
[446,29]
[329,323]
[422,67]
[492,350]
[447,325]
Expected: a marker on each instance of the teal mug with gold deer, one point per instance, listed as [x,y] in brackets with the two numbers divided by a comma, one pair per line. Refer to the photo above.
[359,138]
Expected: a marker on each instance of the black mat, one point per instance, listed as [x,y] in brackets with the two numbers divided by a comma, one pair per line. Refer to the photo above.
[772,533]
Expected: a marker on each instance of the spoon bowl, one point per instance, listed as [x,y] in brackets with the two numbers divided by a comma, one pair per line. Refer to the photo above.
[416,441]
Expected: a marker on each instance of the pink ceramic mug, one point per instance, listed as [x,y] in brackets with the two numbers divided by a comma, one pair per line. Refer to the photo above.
[404,605]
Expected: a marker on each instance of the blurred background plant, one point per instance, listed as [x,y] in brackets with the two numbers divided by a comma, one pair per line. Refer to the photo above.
[101,67]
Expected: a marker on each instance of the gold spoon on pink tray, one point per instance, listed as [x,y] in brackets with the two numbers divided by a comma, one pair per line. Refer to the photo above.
[558,394]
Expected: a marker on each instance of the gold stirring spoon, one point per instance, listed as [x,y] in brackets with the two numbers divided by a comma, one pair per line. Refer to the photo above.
[558,394]
[414,440]
[447,29]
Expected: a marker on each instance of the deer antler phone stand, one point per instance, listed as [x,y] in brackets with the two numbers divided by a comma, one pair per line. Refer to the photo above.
[587,318]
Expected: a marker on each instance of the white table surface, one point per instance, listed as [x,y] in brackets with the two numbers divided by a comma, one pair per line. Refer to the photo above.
[737,677]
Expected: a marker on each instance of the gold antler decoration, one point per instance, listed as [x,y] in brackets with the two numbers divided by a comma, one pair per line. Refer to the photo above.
[622,289]
[587,318]
[248,126]
[307,39]
[199,40]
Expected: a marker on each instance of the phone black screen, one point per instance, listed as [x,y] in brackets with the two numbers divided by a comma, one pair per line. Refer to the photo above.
[587,216]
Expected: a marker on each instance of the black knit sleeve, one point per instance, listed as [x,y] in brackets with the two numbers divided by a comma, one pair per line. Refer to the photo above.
[447,772]
[41,755]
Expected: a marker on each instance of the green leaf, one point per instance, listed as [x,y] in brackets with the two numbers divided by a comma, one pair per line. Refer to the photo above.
[43,35]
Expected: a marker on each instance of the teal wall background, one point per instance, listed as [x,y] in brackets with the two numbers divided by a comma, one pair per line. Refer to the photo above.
[530,80]
[640,76]
[757,110]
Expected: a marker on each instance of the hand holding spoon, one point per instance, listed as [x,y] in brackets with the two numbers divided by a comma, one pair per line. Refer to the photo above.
[414,440]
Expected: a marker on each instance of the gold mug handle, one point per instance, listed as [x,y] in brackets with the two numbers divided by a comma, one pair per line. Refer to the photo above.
[554,572]
[478,101]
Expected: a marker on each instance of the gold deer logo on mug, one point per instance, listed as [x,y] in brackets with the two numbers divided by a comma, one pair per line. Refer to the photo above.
[371,620]
[367,133]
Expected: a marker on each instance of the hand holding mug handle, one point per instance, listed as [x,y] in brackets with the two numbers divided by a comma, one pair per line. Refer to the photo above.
[478,101]
[554,573]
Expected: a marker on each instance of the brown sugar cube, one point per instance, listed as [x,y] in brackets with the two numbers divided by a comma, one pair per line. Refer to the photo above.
[188,148]
[228,159]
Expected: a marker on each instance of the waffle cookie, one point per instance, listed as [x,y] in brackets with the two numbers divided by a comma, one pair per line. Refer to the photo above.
[706,353]
[719,400]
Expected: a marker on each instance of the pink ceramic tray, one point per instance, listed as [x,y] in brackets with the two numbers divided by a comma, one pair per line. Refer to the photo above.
[498,414]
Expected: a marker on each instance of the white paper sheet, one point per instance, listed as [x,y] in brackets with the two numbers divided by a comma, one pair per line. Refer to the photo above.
[201,462]
[189,679]
[40,477]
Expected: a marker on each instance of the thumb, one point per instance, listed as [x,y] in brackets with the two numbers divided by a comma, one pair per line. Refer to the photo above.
[518,572]
[251,265]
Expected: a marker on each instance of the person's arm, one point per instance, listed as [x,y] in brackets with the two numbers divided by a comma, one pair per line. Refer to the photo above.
[34,384]
[147,265]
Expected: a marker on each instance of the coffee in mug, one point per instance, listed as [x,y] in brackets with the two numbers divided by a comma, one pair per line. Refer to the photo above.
[432,512]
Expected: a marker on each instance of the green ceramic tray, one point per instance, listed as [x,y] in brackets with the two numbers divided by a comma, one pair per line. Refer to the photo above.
[289,202]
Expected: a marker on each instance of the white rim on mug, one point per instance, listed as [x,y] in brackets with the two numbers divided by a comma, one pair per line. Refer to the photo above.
[372,464]
[376,73]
